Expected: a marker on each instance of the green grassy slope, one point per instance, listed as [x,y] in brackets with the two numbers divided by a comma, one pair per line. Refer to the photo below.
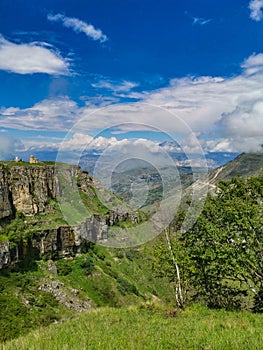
[108,277]
[246,164]
[149,327]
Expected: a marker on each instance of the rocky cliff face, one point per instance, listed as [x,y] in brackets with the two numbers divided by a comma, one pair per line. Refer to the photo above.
[6,208]
[28,189]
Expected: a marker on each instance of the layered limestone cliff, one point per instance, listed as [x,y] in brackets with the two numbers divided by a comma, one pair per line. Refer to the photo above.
[6,208]
[28,189]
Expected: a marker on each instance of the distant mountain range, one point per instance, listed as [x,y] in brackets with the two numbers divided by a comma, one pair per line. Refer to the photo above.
[213,159]
[175,151]
[89,158]
[243,165]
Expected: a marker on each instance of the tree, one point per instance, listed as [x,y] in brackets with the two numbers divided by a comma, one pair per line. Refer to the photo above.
[170,260]
[225,246]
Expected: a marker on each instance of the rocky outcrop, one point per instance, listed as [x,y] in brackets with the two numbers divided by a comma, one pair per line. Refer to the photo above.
[5,257]
[6,208]
[60,240]
[26,189]
[68,297]
[29,188]
[63,241]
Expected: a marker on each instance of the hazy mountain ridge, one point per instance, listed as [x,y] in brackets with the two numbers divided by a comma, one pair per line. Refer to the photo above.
[244,165]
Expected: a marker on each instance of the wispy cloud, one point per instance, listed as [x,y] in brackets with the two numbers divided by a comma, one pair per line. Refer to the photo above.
[79,26]
[119,89]
[201,21]
[99,100]
[253,64]
[6,145]
[35,57]
[123,86]
[51,114]
[255,7]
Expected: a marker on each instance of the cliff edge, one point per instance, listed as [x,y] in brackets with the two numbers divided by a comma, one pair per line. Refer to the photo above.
[31,221]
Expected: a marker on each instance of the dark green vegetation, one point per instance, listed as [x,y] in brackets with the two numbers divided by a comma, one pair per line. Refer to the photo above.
[23,306]
[226,246]
[221,258]
[149,327]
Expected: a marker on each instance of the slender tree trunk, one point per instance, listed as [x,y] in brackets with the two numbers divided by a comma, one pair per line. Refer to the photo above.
[178,287]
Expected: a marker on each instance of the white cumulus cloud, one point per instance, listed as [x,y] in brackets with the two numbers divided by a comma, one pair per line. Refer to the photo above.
[79,26]
[255,7]
[35,57]
[225,113]
[245,121]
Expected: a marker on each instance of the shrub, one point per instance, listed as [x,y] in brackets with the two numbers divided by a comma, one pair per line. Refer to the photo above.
[98,252]
[129,255]
[107,294]
[125,287]
[87,263]
[64,267]
[120,254]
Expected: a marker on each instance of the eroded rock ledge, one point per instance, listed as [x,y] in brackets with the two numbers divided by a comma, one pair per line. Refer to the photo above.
[28,189]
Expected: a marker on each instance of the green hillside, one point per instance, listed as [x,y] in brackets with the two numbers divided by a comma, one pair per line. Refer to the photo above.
[101,277]
[246,164]
[149,327]
[147,297]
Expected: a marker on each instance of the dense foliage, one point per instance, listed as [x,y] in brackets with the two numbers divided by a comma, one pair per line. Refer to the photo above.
[221,257]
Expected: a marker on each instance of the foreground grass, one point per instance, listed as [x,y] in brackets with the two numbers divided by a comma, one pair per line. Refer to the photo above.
[149,328]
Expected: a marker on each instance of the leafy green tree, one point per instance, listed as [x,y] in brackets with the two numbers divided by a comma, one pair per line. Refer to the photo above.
[225,245]
[169,260]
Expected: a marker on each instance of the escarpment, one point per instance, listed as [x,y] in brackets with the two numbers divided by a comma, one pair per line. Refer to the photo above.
[26,189]
[31,221]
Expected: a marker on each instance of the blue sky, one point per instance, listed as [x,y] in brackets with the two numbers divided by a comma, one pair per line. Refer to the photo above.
[60,61]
